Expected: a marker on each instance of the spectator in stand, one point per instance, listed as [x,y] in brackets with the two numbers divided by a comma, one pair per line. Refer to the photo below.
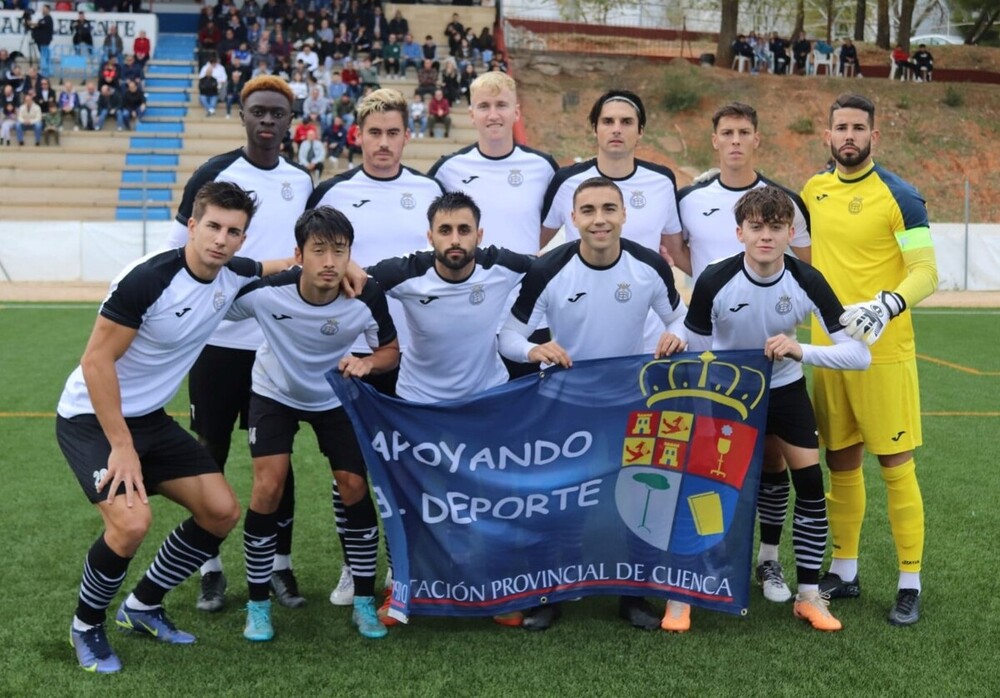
[280,48]
[326,36]
[368,74]
[924,63]
[45,96]
[378,25]
[451,81]
[429,49]
[111,75]
[226,47]
[16,81]
[398,24]
[241,67]
[353,141]
[335,139]
[440,112]
[108,104]
[392,53]
[742,48]
[308,57]
[89,106]
[249,12]
[301,90]
[51,124]
[499,62]
[211,83]
[319,105]
[345,109]
[427,78]
[6,61]
[351,78]
[206,15]
[336,87]
[29,116]
[141,49]
[410,54]
[362,43]
[299,25]
[455,31]
[132,70]
[10,96]
[254,33]
[343,45]
[468,77]
[486,45]
[234,88]
[417,122]
[113,48]
[779,52]
[302,130]
[241,56]
[83,35]
[208,40]
[133,105]
[849,57]
[69,104]
[463,56]
[42,32]
[262,68]
[761,56]
[800,53]
[902,60]
[8,122]
[312,155]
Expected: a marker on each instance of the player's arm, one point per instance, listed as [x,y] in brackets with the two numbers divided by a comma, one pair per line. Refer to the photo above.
[273,266]
[846,353]
[515,345]
[108,342]
[382,359]
[675,250]
[546,236]
[803,253]
[178,236]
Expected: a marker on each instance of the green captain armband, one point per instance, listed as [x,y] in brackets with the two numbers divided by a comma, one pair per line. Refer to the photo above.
[914,239]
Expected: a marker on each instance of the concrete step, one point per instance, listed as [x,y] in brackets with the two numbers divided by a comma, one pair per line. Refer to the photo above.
[58,212]
[83,178]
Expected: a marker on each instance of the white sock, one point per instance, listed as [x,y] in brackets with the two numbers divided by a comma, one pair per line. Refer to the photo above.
[136,605]
[808,588]
[909,580]
[281,562]
[845,568]
[767,553]
[213,565]
[80,626]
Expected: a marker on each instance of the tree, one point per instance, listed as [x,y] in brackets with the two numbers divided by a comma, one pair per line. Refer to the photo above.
[859,20]
[727,32]
[800,18]
[986,13]
[905,23]
[882,26]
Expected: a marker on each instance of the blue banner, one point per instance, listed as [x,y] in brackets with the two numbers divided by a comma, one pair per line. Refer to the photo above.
[617,476]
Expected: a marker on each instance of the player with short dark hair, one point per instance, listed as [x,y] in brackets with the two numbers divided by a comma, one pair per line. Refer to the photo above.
[755,300]
[309,326]
[618,120]
[872,241]
[708,225]
[219,384]
[595,293]
[119,440]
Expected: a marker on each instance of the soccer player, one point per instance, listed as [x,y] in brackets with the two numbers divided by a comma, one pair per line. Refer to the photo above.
[595,293]
[219,383]
[380,198]
[508,180]
[755,300]
[122,445]
[618,119]
[456,284]
[708,222]
[308,327]
[872,241]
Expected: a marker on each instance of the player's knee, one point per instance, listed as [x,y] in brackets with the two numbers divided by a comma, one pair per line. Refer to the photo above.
[267,490]
[126,531]
[220,513]
[352,487]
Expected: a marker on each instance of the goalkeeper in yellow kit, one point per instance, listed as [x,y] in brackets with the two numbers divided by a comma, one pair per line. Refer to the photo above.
[871,240]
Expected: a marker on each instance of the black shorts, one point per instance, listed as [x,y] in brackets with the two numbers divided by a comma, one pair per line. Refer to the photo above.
[273,427]
[219,390]
[516,369]
[790,415]
[166,451]
[385,383]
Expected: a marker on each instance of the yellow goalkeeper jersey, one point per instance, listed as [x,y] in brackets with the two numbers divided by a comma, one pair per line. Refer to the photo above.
[860,228]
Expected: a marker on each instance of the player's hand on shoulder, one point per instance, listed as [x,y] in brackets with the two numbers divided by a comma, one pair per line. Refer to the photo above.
[354,280]
[779,347]
[668,344]
[550,353]
[124,468]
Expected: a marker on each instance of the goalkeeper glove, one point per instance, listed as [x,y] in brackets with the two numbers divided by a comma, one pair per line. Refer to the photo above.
[867,321]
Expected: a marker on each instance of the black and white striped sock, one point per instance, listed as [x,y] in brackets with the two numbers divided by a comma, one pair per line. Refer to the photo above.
[260,540]
[104,573]
[361,544]
[809,523]
[184,551]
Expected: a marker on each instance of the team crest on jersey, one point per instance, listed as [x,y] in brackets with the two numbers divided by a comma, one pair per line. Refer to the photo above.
[623,294]
[219,301]
[478,294]
[784,305]
[515,178]
[637,200]
[330,327]
[407,201]
[286,191]
[855,206]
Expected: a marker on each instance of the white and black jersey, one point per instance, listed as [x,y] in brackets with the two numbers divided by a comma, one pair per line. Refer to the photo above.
[282,193]
[174,314]
[453,342]
[509,191]
[594,312]
[650,194]
[709,224]
[734,308]
[303,341]
[389,218]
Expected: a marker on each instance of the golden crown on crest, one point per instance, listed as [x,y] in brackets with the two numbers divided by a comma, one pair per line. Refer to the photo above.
[738,387]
